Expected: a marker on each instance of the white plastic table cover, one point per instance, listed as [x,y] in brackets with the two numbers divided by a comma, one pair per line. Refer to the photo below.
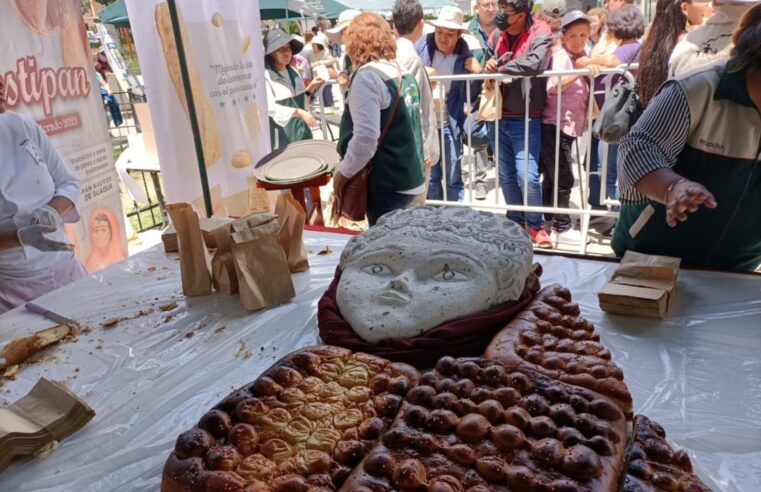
[698,373]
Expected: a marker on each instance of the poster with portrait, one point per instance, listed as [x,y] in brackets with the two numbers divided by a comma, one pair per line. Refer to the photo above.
[223,49]
[49,75]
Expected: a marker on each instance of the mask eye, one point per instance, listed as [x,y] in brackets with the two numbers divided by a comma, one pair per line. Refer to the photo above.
[449,275]
[377,269]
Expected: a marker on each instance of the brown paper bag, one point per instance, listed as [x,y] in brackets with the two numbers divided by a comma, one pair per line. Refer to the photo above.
[253,220]
[292,218]
[487,106]
[643,285]
[223,274]
[263,275]
[195,263]
[49,412]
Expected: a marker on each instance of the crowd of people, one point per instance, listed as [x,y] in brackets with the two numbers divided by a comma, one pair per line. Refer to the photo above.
[540,118]
[688,171]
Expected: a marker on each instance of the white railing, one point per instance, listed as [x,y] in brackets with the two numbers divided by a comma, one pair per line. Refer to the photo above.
[498,204]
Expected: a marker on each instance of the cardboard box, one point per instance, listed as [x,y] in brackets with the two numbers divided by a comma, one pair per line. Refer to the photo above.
[643,285]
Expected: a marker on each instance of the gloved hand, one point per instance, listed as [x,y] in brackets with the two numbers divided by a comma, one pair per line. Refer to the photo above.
[47,216]
[33,235]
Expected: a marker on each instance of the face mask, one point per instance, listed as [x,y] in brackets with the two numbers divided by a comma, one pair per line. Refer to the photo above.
[501,21]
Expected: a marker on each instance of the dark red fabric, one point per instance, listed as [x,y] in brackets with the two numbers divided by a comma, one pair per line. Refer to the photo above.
[467,336]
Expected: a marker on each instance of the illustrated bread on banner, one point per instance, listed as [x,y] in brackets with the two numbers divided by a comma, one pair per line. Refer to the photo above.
[538,405]
[206,119]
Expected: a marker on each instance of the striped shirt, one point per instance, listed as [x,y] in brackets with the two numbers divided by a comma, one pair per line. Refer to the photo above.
[655,141]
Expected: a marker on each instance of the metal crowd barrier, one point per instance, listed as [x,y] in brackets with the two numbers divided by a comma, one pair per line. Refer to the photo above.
[585,212]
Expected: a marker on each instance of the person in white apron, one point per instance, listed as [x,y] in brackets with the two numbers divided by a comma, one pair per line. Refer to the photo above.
[38,192]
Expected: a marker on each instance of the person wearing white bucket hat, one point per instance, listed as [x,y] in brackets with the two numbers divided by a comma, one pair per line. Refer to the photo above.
[447,53]
[335,35]
[712,41]
[320,56]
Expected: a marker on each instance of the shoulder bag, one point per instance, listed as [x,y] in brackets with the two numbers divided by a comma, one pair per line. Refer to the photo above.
[351,199]
[620,111]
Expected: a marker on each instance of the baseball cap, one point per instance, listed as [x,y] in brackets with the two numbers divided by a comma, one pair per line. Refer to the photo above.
[554,8]
[574,16]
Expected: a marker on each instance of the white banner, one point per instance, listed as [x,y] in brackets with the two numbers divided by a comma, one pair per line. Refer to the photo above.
[46,64]
[224,54]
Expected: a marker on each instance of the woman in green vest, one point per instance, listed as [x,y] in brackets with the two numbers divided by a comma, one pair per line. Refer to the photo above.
[383,103]
[286,95]
[690,169]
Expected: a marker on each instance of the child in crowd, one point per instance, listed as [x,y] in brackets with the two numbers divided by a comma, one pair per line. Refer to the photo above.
[575,28]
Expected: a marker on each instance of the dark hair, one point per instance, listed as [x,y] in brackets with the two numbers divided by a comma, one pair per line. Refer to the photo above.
[669,23]
[519,5]
[746,53]
[315,29]
[406,15]
[626,22]
[104,218]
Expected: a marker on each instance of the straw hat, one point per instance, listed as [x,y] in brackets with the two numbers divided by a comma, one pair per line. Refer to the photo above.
[344,19]
[450,18]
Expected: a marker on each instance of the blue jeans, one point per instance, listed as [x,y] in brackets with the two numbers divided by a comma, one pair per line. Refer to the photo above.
[451,161]
[382,202]
[611,188]
[512,167]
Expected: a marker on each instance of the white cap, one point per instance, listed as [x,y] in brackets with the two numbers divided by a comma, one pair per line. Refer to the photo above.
[450,18]
[321,39]
[344,19]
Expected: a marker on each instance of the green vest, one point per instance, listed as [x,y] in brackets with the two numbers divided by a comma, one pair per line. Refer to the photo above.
[296,129]
[723,153]
[398,162]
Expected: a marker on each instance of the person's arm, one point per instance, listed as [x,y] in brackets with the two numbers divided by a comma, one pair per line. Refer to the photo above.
[9,239]
[66,183]
[603,61]
[647,154]
[531,63]
[368,95]
[278,112]
[560,61]
[431,148]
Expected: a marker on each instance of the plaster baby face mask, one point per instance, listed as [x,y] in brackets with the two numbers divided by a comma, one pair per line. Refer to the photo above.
[422,267]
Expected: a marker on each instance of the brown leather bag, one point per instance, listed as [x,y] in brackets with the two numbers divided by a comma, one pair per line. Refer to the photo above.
[351,199]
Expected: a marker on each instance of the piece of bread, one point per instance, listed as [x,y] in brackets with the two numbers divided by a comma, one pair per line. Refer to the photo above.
[473,425]
[652,465]
[20,349]
[207,121]
[306,422]
[550,336]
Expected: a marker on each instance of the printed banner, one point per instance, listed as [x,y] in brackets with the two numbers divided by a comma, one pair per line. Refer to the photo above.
[225,59]
[49,74]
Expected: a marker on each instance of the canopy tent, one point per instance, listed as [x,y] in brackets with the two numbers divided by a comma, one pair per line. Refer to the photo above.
[328,8]
[115,14]
[388,5]
[284,9]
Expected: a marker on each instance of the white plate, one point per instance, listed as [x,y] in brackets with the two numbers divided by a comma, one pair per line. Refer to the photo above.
[295,167]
